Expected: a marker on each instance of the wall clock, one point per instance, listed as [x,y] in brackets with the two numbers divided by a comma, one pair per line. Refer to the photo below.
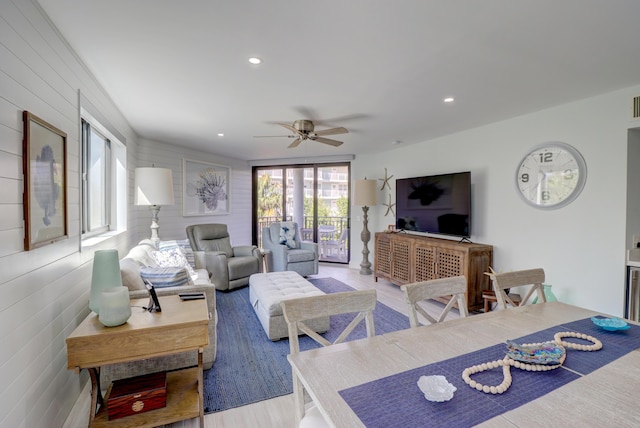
[551,175]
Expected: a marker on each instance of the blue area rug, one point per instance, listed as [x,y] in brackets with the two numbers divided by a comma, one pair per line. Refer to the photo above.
[249,367]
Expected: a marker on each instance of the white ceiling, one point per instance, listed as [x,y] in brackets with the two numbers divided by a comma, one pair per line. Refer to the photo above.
[178,70]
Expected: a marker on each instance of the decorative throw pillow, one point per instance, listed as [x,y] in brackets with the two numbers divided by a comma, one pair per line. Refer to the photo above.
[174,258]
[165,276]
[287,234]
[182,244]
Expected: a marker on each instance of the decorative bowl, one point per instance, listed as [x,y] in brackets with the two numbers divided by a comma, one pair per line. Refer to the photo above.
[436,388]
[610,324]
[539,353]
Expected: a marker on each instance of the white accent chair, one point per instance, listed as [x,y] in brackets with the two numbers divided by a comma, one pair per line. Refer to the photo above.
[302,258]
[297,311]
[456,287]
[522,278]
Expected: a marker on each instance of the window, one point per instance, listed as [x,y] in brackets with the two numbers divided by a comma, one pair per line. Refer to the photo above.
[103,185]
[96,173]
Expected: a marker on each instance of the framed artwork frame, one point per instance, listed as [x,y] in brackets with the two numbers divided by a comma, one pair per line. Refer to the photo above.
[205,188]
[44,162]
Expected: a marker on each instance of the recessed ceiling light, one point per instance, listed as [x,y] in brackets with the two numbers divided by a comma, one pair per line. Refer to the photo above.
[255,60]
[449,100]
[396,142]
[220,134]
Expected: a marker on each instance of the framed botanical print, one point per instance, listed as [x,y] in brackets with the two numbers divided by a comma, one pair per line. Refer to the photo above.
[205,188]
[44,155]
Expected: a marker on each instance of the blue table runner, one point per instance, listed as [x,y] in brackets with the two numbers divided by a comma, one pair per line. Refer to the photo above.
[396,400]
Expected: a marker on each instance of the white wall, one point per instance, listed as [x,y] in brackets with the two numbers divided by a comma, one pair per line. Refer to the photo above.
[581,246]
[43,292]
[172,222]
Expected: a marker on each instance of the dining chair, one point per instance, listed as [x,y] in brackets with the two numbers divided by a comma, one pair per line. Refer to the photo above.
[455,286]
[297,311]
[521,278]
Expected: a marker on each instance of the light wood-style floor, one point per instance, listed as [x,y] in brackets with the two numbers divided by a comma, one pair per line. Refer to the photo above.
[277,412]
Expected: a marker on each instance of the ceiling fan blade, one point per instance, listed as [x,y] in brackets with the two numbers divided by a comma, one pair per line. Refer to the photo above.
[289,127]
[332,131]
[334,143]
[295,143]
[274,136]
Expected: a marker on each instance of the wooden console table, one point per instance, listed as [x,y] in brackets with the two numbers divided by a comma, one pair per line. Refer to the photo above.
[181,326]
[402,258]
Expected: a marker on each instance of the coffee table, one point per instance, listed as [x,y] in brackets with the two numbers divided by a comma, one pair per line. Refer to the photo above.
[181,326]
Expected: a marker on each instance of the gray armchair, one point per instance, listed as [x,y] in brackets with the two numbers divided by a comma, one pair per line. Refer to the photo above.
[229,266]
[302,258]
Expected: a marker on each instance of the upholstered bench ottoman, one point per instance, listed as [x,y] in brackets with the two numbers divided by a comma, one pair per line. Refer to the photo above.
[267,290]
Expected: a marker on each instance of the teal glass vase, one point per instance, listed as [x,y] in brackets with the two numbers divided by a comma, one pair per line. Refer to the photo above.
[548,294]
[106,275]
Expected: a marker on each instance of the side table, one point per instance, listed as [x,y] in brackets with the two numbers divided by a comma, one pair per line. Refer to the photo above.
[181,326]
[265,253]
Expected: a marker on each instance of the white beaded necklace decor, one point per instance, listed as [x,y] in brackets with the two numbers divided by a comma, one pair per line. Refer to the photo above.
[507,362]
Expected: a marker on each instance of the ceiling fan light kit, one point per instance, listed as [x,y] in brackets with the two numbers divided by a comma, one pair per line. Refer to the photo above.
[304,129]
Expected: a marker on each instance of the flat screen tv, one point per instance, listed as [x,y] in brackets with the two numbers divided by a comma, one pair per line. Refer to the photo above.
[439,204]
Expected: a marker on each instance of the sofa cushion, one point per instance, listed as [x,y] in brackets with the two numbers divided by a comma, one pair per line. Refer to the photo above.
[130,271]
[166,276]
[143,254]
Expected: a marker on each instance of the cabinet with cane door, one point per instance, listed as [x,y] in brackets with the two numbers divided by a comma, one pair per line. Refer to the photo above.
[404,258]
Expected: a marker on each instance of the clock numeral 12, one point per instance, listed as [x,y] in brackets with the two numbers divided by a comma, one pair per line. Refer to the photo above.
[546,157]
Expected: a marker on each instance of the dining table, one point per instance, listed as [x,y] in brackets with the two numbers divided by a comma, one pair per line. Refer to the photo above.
[372,382]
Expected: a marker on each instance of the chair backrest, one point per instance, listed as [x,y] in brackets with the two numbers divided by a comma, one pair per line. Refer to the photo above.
[210,237]
[297,311]
[456,287]
[507,280]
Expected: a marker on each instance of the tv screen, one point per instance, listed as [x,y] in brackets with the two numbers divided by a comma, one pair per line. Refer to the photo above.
[435,204]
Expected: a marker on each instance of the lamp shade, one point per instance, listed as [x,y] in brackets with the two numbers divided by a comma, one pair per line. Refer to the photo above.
[106,275]
[365,193]
[154,186]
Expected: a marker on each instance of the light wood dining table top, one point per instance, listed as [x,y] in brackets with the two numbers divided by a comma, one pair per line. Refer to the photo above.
[605,397]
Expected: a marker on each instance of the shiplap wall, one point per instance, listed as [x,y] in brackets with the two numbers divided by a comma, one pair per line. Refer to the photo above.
[172,222]
[43,292]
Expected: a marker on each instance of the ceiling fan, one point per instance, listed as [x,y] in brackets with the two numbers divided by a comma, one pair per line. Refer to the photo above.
[304,130]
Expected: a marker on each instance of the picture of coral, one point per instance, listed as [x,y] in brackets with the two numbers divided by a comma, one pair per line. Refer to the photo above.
[205,188]
[210,188]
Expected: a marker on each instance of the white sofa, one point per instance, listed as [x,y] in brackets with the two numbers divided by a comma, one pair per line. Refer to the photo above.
[139,257]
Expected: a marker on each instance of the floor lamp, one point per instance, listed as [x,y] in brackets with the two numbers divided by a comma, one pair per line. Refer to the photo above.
[154,187]
[365,195]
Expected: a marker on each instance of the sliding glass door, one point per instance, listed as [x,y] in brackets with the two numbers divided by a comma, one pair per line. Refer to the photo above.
[314,196]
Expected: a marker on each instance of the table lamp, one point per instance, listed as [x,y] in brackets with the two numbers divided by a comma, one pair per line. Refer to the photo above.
[154,187]
[365,195]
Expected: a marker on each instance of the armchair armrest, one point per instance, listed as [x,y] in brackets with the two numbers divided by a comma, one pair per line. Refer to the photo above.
[311,246]
[216,263]
[245,250]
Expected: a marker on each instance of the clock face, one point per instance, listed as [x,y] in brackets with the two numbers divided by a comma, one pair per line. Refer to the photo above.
[551,175]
